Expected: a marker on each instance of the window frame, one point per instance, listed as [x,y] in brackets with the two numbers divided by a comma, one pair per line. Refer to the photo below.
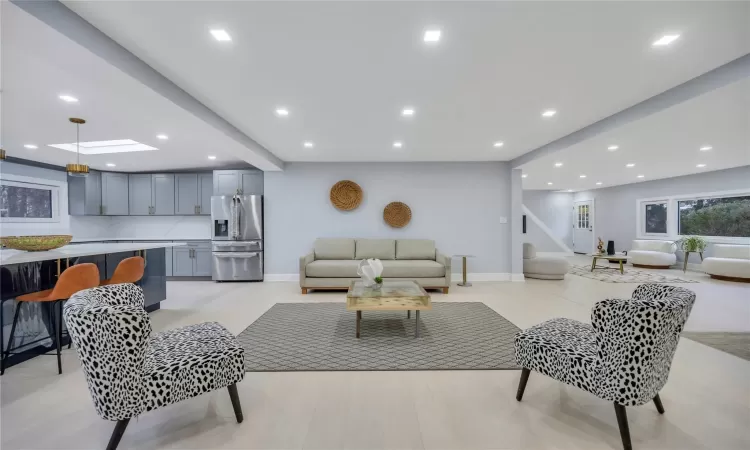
[673,216]
[21,182]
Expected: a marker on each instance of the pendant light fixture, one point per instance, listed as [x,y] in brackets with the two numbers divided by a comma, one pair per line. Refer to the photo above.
[77,169]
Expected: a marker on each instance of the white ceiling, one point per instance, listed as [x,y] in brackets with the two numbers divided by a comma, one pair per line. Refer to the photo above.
[39,64]
[345,69]
[665,144]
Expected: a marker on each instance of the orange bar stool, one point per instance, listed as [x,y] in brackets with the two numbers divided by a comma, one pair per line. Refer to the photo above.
[130,270]
[75,278]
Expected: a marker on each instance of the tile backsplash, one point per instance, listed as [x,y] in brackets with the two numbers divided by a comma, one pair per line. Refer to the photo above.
[141,227]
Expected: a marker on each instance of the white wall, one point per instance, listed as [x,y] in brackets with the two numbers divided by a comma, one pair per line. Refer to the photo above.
[614,207]
[555,210]
[459,205]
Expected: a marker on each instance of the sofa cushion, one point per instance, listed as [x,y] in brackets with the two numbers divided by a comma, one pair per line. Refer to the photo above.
[653,245]
[651,258]
[415,249]
[414,268]
[732,251]
[329,248]
[344,268]
[376,248]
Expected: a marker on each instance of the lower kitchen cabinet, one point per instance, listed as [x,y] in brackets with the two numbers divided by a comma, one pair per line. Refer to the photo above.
[192,260]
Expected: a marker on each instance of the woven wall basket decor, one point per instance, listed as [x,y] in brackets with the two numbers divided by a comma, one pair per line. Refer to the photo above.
[397,214]
[346,195]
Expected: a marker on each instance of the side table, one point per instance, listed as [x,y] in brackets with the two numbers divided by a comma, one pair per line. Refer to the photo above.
[687,256]
[464,283]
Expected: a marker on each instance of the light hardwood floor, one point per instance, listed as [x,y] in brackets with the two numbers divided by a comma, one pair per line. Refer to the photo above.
[707,398]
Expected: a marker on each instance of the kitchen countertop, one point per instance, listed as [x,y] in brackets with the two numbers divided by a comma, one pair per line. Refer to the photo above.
[139,239]
[9,256]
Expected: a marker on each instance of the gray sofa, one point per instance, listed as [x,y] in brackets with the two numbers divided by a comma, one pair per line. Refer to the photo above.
[333,262]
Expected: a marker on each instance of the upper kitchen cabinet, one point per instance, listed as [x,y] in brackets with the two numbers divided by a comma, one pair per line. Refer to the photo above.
[230,182]
[85,195]
[193,193]
[152,194]
[114,194]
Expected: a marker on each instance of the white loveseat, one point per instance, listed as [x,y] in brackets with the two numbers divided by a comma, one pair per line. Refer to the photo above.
[729,262]
[653,254]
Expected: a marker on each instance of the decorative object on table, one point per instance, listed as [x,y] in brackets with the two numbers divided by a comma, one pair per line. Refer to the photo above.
[397,214]
[730,262]
[611,258]
[346,195]
[394,296]
[370,270]
[456,336]
[184,362]
[465,282]
[77,169]
[652,254]
[598,358]
[691,244]
[378,283]
[631,276]
[35,243]
[600,246]
[610,247]
[543,267]
[2,154]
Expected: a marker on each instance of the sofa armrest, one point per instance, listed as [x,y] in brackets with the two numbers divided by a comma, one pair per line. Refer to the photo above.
[303,262]
[446,261]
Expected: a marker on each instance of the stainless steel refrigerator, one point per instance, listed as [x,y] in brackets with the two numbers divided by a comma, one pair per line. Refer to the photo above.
[237,237]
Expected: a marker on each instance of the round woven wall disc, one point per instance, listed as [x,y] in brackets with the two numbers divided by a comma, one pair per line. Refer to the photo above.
[346,195]
[397,214]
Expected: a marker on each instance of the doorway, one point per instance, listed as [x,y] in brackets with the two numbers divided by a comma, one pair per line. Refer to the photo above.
[583,227]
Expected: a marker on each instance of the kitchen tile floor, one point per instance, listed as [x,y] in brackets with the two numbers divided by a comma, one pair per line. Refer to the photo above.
[707,398]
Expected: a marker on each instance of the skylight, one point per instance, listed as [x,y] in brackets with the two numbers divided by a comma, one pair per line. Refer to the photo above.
[101,147]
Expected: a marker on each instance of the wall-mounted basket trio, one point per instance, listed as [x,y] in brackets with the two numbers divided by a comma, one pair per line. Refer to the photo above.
[346,195]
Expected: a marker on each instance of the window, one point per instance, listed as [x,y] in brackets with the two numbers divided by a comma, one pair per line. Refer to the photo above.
[655,217]
[715,216]
[583,217]
[28,202]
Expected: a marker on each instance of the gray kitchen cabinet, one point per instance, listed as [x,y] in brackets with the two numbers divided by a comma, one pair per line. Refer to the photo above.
[230,182]
[186,194]
[251,182]
[194,259]
[168,259]
[114,194]
[182,262]
[139,191]
[162,194]
[85,195]
[202,259]
[205,191]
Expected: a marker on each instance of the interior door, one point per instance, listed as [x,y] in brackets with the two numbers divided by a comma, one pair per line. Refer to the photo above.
[583,227]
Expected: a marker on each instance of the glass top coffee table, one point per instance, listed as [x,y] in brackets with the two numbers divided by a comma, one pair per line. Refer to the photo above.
[611,258]
[392,296]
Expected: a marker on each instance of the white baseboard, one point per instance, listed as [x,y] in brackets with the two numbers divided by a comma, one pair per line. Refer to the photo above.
[281,277]
[274,277]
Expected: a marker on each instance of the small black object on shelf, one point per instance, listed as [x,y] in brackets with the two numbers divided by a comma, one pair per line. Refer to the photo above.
[610,247]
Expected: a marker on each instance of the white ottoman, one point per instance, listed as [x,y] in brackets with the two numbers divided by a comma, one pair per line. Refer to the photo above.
[730,262]
[543,267]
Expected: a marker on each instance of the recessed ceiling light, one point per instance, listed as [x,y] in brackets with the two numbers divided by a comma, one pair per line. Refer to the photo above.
[221,35]
[629,165]
[598,183]
[549,113]
[163,137]
[398,144]
[432,35]
[308,144]
[549,183]
[612,148]
[700,166]
[558,164]
[408,111]
[706,148]
[69,98]
[524,175]
[498,144]
[101,147]
[641,176]
[581,176]
[110,165]
[211,157]
[30,146]
[282,112]
[665,40]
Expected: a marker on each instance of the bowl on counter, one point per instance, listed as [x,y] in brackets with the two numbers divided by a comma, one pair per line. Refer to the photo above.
[35,243]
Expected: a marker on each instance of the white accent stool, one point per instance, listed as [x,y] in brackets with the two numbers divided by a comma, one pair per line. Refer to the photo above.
[730,262]
[543,267]
[653,254]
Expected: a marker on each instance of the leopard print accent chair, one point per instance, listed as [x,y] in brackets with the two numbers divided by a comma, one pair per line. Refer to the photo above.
[129,370]
[624,356]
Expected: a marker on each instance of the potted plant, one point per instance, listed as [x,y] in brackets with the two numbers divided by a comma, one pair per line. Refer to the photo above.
[692,244]
[378,283]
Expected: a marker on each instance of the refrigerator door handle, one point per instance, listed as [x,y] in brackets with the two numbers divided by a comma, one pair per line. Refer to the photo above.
[236,254]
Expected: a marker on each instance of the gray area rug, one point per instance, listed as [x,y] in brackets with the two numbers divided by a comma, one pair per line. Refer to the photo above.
[321,337]
[737,344]
[631,275]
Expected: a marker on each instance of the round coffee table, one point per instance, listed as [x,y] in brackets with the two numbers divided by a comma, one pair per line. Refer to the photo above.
[611,258]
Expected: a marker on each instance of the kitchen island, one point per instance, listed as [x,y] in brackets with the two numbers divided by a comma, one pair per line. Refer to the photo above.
[23,272]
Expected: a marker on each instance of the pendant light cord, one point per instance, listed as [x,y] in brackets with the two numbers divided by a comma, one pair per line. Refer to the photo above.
[78,143]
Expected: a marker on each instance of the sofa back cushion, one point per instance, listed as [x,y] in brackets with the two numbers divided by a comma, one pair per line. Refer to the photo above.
[415,249]
[334,248]
[376,248]
[654,246]
[732,251]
